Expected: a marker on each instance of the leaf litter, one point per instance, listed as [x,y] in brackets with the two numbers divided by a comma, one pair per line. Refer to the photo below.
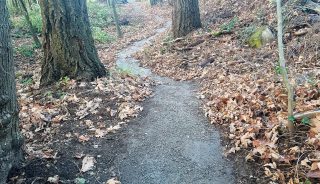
[65,123]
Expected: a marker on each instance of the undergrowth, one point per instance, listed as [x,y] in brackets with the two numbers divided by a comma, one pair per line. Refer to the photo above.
[100,15]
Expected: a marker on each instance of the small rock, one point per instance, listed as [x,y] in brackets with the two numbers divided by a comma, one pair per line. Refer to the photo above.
[113,181]
[267,35]
[54,179]
[124,22]
[260,37]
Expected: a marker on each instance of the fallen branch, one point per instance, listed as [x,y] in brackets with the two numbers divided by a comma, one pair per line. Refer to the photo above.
[183,48]
[196,43]
[219,33]
[308,114]
[173,41]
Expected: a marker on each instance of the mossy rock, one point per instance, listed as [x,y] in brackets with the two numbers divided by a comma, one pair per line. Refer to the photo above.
[260,37]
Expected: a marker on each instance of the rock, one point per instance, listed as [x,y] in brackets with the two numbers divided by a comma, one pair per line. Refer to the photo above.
[54,179]
[314,18]
[260,36]
[124,22]
[267,35]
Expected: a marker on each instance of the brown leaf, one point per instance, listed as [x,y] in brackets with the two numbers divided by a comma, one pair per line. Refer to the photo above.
[314,166]
[84,138]
[314,174]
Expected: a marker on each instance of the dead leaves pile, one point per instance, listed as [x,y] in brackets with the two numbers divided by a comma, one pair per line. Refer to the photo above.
[100,107]
[243,92]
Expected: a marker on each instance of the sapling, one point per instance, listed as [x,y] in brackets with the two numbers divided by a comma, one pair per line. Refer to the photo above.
[291,116]
[283,69]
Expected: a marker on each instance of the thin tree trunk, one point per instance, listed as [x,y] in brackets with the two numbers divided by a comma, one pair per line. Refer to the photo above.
[186,17]
[30,4]
[116,19]
[109,2]
[68,44]
[283,66]
[10,139]
[31,27]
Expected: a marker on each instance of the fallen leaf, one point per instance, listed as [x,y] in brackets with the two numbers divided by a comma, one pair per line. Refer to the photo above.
[54,179]
[314,166]
[84,138]
[87,163]
[113,181]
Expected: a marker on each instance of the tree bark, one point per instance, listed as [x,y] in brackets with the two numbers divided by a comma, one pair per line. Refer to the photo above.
[155,2]
[283,67]
[68,44]
[116,19]
[10,139]
[186,17]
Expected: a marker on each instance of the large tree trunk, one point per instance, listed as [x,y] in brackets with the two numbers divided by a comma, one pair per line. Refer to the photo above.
[186,17]
[68,44]
[10,139]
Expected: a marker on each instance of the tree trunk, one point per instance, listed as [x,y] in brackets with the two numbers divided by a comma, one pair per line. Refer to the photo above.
[155,2]
[68,44]
[10,139]
[186,17]
[31,27]
[116,19]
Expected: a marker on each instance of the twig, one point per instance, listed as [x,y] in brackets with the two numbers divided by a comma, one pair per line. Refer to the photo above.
[183,49]
[172,41]
[297,166]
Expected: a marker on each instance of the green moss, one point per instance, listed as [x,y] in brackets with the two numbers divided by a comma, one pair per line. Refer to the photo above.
[255,40]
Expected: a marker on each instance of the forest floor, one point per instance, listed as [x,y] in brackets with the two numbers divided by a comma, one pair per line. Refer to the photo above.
[97,131]
[241,86]
[72,126]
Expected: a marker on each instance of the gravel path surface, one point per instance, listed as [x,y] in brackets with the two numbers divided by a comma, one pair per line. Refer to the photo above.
[172,141]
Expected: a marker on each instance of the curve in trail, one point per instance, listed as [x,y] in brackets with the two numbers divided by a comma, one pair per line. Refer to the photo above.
[171,141]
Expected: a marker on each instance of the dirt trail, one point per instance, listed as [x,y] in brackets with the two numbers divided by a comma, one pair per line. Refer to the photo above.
[171,141]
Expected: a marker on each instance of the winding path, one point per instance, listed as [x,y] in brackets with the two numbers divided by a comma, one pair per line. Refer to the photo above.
[171,142]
